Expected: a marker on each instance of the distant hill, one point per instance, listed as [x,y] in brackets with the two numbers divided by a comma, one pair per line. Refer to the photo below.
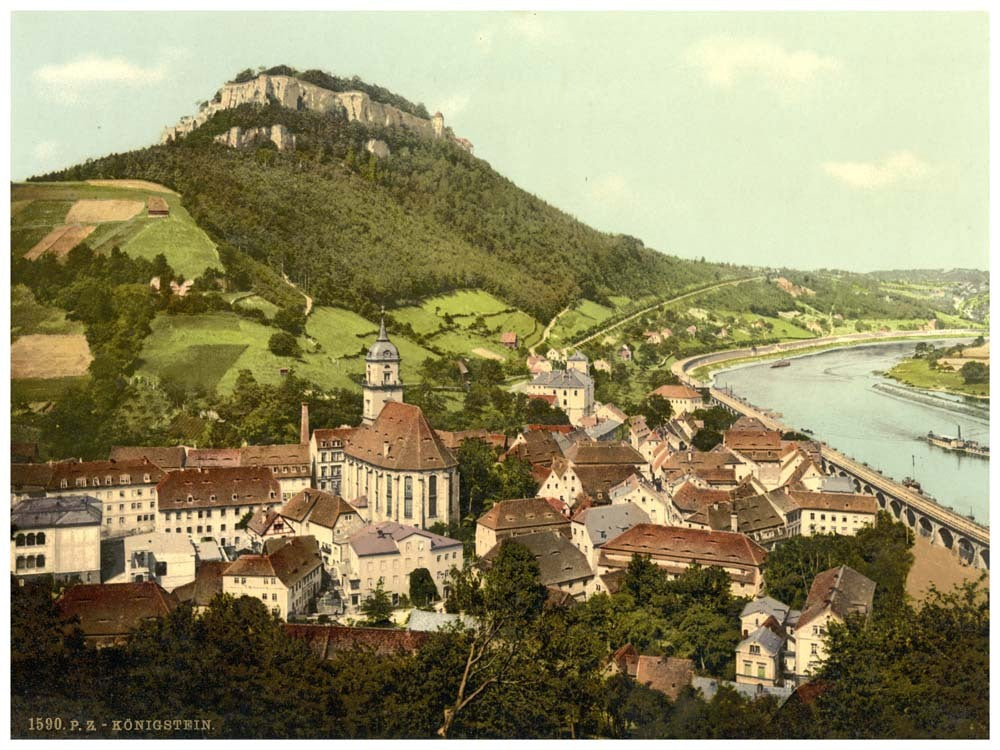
[358,230]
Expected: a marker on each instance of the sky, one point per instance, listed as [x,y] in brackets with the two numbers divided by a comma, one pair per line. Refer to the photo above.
[808,140]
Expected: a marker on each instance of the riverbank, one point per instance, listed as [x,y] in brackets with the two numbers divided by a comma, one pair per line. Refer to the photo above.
[939,567]
[791,350]
[918,373]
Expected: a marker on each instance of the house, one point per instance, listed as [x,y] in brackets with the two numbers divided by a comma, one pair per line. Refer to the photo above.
[512,518]
[682,399]
[207,584]
[537,447]
[156,206]
[388,552]
[653,337]
[537,364]
[326,455]
[718,468]
[108,613]
[29,480]
[759,656]
[213,502]
[592,527]
[649,497]
[57,536]
[835,595]
[328,518]
[829,512]
[675,549]
[561,565]
[667,675]
[572,387]
[587,484]
[403,468]
[266,523]
[757,611]
[290,464]
[624,353]
[286,578]
[212,458]
[509,339]
[166,559]
[127,490]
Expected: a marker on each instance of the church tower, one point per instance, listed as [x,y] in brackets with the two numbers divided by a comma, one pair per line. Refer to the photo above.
[382,381]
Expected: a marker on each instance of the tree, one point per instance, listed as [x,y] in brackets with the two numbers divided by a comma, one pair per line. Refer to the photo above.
[975,373]
[291,320]
[643,579]
[706,439]
[510,605]
[656,410]
[377,607]
[422,588]
[477,480]
[284,345]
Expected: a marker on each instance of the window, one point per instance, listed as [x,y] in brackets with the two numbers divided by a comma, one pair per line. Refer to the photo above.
[432,496]
[388,496]
[747,668]
[20,562]
[814,650]
[761,670]
[19,540]
[264,597]
[274,597]
[408,497]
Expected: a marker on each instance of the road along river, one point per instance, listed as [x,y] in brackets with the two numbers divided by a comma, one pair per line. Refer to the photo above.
[842,399]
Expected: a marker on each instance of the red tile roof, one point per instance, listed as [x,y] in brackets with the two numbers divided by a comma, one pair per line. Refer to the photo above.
[325,438]
[212,457]
[98,473]
[217,488]
[667,675]
[411,443]
[110,611]
[165,458]
[592,452]
[321,507]
[294,558]
[835,501]
[529,512]
[676,392]
[327,640]
[693,545]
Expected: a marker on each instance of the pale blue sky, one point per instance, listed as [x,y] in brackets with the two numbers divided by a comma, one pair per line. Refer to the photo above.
[844,140]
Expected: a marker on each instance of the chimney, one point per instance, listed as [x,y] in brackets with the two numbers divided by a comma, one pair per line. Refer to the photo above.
[304,425]
[733,522]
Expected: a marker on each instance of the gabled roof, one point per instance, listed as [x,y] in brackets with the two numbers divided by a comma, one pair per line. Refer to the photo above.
[562,379]
[206,585]
[766,605]
[842,591]
[606,522]
[251,485]
[697,545]
[596,452]
[321,508]
[538,447]
[676,392]
[49,512]
[89,471]
[332,435]
[597,480]
[766,638]
[835,501]
[212,457]
[294,558]
[521,513]
[164,457]
[667,675]
[383,538]
[400,439]
[30,476]
[293,456]
[115,609]
[262,520]
[559,562]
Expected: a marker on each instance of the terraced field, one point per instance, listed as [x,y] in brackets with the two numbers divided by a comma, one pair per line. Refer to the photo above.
[117,210]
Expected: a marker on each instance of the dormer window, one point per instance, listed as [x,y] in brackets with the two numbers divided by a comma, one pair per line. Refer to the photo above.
[145,478]
[234,496]
[271,493]
[63,483]
[190,498]
[107,480]
[125,479]
[211,498]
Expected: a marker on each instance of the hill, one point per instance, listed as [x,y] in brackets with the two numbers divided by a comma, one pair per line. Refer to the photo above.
[360,231]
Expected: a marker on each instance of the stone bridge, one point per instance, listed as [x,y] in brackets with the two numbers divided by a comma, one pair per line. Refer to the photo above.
[966,539]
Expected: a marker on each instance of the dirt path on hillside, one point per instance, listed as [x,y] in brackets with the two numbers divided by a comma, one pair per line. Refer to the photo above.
[548,330]
[309,300]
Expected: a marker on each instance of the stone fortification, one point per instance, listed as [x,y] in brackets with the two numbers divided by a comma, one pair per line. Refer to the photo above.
[292,93]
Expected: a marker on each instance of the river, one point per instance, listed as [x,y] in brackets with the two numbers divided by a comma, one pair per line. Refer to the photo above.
[833,394]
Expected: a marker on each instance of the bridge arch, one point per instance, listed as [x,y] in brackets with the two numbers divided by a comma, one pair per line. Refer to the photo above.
[842,473]
[925,527]
[966,552]
[880,499]
[911,518]
[946,538]
[896,508]
[857,485]
[984,556]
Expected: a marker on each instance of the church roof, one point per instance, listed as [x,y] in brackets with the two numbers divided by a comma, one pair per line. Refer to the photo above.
[400,439]
[382,349]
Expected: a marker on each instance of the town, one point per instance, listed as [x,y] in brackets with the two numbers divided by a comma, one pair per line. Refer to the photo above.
[344,536]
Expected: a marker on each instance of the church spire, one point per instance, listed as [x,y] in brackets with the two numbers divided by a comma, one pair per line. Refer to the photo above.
[382,335]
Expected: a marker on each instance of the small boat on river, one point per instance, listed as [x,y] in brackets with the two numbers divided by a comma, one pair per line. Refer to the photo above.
[781,363]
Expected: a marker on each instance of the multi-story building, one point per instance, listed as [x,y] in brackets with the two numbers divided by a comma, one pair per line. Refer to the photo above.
[512,518]
[402,469]
[328,518]
[682,399]
[57,536]
[166,559]
[676,549]
[826,512]
[389,552]
[212,502]
[285,579]
[572,388]
[561,566]
[592,528]
[290,464]
[126,489]
[326,452]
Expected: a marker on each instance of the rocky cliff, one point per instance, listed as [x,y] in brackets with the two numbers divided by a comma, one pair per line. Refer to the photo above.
[279,135]
[292,93]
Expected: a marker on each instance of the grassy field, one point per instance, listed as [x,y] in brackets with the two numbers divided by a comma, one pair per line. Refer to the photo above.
[256,302]
[42,206]
[918,373]
[582,316]
[208,351]
[27,316]
[465,307]
[32,390]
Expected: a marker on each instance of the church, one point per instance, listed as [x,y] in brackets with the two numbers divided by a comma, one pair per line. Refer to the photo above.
[395,467]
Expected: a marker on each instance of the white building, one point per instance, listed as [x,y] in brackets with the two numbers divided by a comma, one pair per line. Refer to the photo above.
[167,559]
[382,379]
[682,399]
[57,536]
[285,580]
[389,552]
[326,452]
[572,388]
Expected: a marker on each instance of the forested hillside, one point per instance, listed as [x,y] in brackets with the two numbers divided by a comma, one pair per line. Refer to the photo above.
[357,231]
